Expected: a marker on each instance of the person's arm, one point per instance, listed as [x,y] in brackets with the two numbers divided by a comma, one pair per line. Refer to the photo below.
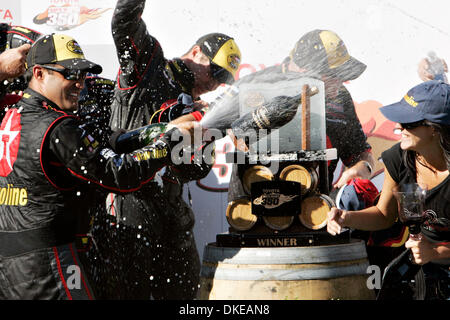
[349,138]
[12,62]
[363,169]
[423,67]
[198,162]
[425,251]
[85,159]
[199,109]
[136,48]
[378,217]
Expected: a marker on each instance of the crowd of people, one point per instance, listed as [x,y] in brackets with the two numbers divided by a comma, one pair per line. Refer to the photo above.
[71,197]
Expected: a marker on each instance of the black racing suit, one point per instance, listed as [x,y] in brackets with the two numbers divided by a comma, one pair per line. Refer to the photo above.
[158,254]
[48,159]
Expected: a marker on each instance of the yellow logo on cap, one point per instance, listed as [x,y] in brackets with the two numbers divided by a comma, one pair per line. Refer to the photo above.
[337,53]
[410,100]
[234,61]
[66,48]
[74,47]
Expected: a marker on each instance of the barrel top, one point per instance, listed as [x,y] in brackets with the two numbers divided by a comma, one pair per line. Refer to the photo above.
[353,250]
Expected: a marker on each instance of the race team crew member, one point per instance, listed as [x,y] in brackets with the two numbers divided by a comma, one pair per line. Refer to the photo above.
[48,158]
[158,238]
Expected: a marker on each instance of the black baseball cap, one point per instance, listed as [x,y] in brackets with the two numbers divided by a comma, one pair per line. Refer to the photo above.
[63,50]
[322,52]
[223,52]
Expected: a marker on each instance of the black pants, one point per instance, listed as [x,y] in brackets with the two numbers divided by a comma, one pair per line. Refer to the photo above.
[140,261]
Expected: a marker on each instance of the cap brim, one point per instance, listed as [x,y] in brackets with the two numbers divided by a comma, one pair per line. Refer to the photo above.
[81,64]
[347,199]
[401,112]
[350,70]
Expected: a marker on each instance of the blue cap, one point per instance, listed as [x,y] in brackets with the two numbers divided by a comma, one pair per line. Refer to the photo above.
[347,199]
[429,100]
[357,194]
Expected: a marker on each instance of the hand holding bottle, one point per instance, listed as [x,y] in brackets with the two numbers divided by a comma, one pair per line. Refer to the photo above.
[432,68]
[188,128]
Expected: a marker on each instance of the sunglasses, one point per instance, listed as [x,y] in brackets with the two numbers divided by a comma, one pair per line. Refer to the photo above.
[413,125]
[410,126]
[68,74]
[220,74]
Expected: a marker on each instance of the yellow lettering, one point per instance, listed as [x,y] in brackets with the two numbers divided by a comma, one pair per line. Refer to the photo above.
[2,195]
[23,197]
[262,242]
[15,196]
[11,196]
[151,154]
[7,196]
[410,101]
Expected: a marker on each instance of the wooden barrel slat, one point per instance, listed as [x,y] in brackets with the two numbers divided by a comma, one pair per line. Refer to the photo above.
[316,272]
[285,255]
[269,273]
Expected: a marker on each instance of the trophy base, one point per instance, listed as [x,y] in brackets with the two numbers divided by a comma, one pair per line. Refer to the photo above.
[290,239]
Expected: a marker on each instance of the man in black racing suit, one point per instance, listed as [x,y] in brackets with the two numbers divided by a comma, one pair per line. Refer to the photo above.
[48,158]
[156,254]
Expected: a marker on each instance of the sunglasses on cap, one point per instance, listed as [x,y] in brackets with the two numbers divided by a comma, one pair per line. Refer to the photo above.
[68,74]
[220,74]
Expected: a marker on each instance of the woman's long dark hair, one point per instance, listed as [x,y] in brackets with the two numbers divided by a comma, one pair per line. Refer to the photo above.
[409,157]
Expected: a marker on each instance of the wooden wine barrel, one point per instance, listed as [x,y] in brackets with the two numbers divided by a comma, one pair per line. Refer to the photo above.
[285,273]
[239,215]
[314,211]
[255,174]
[279,223]
[308,178]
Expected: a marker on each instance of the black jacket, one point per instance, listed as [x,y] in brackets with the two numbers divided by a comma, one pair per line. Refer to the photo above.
[146,80]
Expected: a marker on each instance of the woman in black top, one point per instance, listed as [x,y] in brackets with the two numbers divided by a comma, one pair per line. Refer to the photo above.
[421,156]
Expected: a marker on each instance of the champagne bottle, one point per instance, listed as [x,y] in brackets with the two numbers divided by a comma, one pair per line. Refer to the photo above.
[436,67]
[138,138]
[271,115]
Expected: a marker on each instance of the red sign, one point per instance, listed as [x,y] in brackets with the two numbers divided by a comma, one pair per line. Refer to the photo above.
[9,141]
